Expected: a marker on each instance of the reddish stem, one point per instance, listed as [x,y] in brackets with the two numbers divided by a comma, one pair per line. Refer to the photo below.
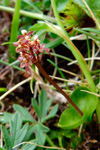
[57,87]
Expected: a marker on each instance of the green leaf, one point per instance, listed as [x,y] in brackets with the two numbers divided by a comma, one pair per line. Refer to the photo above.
[88,34]
[54,134]
[41,25]
[30,3]
[40,136]
[2,148]
[43,107]
[42,102]
[6,117]
[30,146]
[61,4]
[30,131]
[71,119]
[87,103]
[41,110]
[14,30]
[48,104]
[36,107]
[15,126]
[41,34]
[7,138]
[17,134]
[54,43]
[21,134]
[52,112]
[42,127]
[92,30]
[26,116]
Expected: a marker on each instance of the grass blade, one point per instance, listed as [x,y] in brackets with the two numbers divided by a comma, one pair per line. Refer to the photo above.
[14,31]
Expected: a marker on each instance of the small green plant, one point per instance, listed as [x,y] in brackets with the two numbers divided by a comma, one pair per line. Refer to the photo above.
[21,123]
[17,133]
[43,107]
[75,16]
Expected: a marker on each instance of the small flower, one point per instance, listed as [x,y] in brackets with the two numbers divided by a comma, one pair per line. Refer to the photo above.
[29,49]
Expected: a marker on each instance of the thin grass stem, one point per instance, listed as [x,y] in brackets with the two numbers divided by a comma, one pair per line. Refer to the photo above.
[89,52]
[29,14]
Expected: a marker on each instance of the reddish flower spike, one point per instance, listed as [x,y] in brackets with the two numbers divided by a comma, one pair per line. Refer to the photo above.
[28,49]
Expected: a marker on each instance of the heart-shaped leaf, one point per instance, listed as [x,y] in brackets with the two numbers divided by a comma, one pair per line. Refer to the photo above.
[87,103]
[71,119]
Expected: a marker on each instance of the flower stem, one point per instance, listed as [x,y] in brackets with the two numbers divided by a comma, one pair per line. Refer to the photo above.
[57,87]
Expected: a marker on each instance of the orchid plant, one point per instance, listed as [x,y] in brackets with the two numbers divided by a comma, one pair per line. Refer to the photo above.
[29,50]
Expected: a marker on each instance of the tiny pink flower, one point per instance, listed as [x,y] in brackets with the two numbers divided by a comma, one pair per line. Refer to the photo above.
[29,49]
[15,44]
